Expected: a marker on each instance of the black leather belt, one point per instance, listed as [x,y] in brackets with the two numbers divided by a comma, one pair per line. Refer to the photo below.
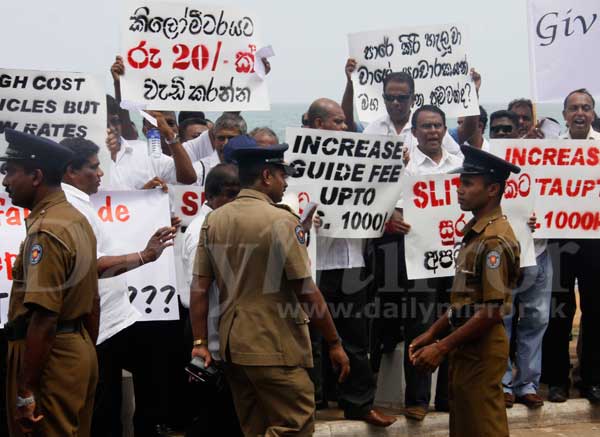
[17,329]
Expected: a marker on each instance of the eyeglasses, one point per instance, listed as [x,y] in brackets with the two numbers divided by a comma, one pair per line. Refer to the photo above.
[400,98]
[222,138]
[504,128]
[4,169]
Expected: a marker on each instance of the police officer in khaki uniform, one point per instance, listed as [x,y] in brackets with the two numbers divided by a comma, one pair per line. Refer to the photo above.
[256,252]
[487,270]
[54,307]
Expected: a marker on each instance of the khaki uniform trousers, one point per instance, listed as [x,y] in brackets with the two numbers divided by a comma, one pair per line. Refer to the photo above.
[272,401]
[476,397]
[67,388]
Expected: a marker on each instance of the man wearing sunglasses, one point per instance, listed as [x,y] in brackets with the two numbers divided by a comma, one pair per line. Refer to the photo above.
[504,124]
[399,99]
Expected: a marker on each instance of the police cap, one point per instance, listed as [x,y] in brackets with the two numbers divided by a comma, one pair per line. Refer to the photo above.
[27,147]
[479,162]
[244,150]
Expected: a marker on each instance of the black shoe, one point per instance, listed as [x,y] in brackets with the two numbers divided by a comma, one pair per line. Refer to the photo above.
[558,393]
[592,393]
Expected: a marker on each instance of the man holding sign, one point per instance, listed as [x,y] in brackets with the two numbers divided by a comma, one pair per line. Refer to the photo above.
[54,303]
[487,270]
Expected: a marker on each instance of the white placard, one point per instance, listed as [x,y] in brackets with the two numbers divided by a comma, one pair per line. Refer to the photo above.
[354,178]
[131,218]
[181,55]
[186,201]
[54,105]
[432,210]
[435,56]
[559,32]
[565,182]
[12,233]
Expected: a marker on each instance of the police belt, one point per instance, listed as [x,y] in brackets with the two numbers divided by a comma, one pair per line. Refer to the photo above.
[17,329]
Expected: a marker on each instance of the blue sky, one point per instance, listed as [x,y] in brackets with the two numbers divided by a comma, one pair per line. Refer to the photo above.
[308,36]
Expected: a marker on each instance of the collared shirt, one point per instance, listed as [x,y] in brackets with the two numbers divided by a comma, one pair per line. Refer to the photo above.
[487,267]
[592,135]
[133,167]
[253,249]
[384,126]
[204,166]
[421,165]
[191,238]
[56,266]
[116,312]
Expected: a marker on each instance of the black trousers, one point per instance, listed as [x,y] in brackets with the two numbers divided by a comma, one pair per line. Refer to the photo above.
[574,260]
[146,349]
[3,363]
[345,291]
[407,310]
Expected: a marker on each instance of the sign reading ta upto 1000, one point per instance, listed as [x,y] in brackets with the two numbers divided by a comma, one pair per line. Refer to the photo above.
[183,56]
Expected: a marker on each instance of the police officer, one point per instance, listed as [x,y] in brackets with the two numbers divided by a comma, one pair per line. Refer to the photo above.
[54,306]
[487,270]
[256,252]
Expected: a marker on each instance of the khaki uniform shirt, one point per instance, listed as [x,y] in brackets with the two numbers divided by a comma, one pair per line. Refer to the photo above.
[56,267]
[253,249]
[487,268]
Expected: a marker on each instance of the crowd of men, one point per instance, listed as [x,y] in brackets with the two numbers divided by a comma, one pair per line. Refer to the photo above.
[273,372]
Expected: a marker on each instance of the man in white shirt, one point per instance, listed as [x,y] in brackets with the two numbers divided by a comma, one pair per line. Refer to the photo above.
[578,262]
[340,269]
[213,410]
[477,138]
[428,126]
[82,179]
[132,168]
[399,98]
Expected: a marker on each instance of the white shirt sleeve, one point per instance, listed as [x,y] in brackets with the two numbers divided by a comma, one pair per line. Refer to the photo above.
[450,145]
[199,147]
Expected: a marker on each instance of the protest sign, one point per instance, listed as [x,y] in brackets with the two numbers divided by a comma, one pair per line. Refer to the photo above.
[565,179]
[432,210]
[180,55]
[353,177]
[435,56]
[131,218]
[186,201]
[12,233]
[54,105]
[559,32]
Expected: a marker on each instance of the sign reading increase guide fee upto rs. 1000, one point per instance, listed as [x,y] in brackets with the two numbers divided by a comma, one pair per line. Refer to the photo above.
[354,178]
[565,177]
[560,31]
[432,210]
[130,218]
[182,55]
[55,105]
[436,57]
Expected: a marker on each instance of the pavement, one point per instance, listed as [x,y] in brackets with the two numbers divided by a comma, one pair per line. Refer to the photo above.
[574,411]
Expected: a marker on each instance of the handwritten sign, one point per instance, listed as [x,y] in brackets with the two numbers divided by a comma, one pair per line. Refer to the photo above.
[12,233]
[184,56]
[565,182]
[353,177]
[559,31]
[436,58]
[131,218]
[55,105]
[437,222]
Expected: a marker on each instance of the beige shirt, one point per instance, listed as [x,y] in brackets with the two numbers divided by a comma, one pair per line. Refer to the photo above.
[254,249]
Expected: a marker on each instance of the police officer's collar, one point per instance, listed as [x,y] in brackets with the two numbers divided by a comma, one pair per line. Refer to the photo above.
[254,194]
[46,203]
[478,225]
